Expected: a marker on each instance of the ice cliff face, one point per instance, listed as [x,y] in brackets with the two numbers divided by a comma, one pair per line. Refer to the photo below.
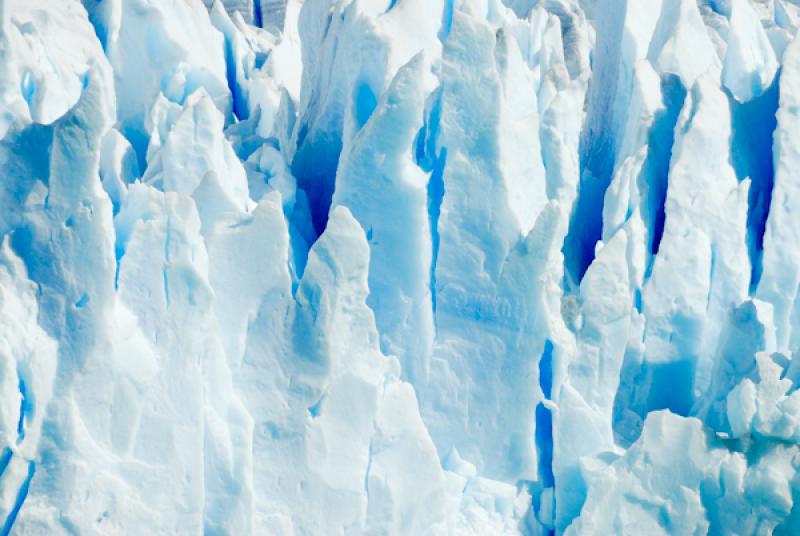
[399,267]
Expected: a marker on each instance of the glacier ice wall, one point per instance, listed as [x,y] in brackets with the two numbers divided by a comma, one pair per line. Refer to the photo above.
[301,267]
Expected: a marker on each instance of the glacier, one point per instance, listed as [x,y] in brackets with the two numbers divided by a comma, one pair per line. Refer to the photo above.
[402,267]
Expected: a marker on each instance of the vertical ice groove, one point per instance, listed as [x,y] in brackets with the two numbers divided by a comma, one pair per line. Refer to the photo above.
[231,64]
[544,420]
[436,193]
[258,15]
[24,409]
[432,160]
[5,459]
[447,19]
[22,494]
[598,140]
[661,139]
[753,124]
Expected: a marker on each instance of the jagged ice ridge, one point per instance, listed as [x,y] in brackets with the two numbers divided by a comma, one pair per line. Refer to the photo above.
[286,267]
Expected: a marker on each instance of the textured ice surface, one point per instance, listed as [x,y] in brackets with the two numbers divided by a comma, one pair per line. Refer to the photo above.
[399,267]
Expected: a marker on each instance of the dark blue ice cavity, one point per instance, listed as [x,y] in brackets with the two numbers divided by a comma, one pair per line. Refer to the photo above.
[753,125]
[661,140]
[544,419]
[315,166]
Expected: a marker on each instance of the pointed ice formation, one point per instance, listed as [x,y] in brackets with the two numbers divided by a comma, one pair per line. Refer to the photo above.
[399,267]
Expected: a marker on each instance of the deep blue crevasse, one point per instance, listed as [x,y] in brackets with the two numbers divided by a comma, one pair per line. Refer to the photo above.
[660,142]
[753,124]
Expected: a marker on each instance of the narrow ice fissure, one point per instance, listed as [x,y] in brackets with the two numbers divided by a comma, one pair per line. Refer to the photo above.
[368,469]
[753,125]
[239,106]
[545,491]
[5,459]
[427,159]
[447,20]
[258,18]
[165,266]
[99,29]
[586,224]
[22,494]
[597,150]
[24,409]
[435,199]
[544,419]
[316,160]
[660,144]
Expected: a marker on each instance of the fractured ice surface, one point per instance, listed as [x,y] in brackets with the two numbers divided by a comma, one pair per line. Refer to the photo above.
[399,267]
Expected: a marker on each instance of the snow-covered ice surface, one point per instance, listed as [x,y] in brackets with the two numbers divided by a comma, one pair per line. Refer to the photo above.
[401,267]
